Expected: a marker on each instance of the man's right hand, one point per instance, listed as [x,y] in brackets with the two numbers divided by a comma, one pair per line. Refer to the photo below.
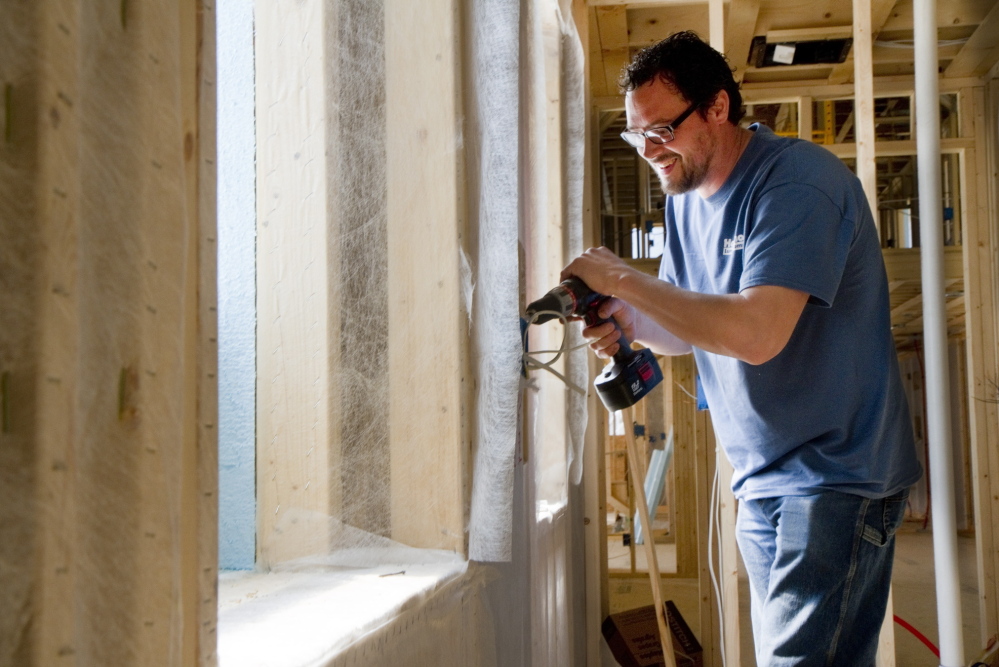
[603,338]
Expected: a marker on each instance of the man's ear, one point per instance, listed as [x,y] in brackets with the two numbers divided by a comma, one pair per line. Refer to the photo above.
[718,111]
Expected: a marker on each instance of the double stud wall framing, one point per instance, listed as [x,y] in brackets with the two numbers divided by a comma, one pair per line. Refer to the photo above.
[123,506]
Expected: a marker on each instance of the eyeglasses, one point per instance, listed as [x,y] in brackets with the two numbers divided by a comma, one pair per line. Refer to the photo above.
[658,135]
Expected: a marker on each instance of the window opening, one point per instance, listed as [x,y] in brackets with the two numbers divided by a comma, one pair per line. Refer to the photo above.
[833,120]
[781,117]
[898,199]
[625,536]
[631,199]
[236,286]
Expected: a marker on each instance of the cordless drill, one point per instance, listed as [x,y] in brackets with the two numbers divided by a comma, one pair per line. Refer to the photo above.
[631,374]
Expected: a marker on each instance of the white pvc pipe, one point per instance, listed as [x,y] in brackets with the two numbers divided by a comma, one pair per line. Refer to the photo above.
[935,336]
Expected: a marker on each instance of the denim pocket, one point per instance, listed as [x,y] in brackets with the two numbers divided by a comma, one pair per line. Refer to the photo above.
[880,526]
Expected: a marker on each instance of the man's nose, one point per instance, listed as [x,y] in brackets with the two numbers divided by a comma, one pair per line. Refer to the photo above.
[650,150]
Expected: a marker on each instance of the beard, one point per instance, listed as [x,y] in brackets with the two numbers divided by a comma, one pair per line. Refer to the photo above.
[686,175]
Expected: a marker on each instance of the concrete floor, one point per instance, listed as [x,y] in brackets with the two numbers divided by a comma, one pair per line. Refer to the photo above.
[912,583]
[915,597]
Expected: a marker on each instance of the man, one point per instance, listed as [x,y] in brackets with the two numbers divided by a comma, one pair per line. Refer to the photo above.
[772,275]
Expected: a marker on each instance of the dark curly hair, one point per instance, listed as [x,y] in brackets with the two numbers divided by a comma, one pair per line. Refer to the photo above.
[686,62]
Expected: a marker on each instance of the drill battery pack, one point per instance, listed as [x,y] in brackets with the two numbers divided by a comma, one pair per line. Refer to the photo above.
[621,385]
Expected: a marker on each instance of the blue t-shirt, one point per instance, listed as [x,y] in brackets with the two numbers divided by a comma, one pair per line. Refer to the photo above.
[828,412]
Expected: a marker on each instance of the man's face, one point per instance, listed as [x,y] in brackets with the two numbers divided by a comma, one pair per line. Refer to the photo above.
[682,164]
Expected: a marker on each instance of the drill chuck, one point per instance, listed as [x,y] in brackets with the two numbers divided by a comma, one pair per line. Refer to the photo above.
[570,297]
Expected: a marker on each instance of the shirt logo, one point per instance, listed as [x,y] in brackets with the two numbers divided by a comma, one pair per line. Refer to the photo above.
[731,245]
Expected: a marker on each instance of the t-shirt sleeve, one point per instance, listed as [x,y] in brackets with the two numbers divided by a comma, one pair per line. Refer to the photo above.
[672,258]
[799,239]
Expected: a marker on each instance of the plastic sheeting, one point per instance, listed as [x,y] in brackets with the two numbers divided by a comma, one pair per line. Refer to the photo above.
[236,287]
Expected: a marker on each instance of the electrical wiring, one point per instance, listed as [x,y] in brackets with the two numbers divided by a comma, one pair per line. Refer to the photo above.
[917,634]
[684,390]
[531,362]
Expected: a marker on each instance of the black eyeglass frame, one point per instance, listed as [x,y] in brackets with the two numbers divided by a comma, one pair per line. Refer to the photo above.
[637,139]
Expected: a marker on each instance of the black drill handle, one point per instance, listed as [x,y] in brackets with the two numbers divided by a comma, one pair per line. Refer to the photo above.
[624,352]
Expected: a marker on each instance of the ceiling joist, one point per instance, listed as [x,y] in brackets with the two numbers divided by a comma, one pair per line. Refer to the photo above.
[739,33]
[981,51]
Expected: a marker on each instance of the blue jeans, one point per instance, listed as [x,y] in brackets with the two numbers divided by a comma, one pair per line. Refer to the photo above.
[819,573]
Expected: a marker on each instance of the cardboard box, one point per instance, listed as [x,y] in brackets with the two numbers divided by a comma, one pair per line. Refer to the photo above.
[633,638]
